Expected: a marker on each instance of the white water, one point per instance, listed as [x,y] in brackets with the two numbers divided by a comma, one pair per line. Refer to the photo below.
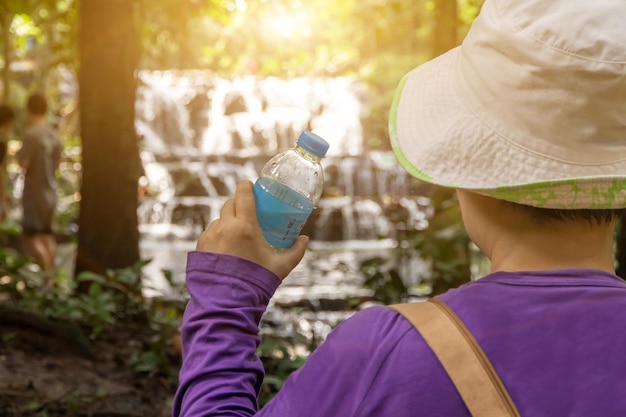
[203,134]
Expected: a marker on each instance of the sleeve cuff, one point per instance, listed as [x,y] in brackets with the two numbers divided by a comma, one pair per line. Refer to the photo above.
[212,265]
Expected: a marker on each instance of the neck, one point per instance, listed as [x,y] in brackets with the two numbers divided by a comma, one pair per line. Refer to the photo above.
[553,246]
[36,120]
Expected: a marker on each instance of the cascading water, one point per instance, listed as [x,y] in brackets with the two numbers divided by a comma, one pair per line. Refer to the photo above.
[201,135]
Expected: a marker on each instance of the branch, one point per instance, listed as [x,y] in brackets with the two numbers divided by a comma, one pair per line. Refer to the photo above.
[65,330]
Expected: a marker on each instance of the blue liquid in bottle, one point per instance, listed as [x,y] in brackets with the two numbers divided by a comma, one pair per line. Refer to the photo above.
[281,211]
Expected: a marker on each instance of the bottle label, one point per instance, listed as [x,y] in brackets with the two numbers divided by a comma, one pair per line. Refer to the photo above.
[281,211]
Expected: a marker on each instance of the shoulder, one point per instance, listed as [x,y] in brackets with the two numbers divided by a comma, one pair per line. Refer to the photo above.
[375,363]
[383,346]
[40,134]
[362,343]
[32,133]
[53,132]
[373,323]
[379,336]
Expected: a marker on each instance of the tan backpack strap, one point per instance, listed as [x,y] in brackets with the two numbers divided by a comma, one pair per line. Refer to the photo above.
[465,362]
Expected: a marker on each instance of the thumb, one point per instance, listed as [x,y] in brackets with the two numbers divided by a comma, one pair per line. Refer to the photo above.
[292,256]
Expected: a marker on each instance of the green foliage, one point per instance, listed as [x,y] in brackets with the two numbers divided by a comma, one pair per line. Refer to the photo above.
[107,299]
[20,276]
[68,186]
[280,356]
[9,339]
[385,281]
[96,301]
[444,243]
[166,28]
[40,35]
[156,357]
[371,41]
[443,246]
[97,307]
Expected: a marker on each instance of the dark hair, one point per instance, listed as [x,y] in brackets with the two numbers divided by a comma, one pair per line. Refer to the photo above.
[7,114]
[594,217]
[37,104]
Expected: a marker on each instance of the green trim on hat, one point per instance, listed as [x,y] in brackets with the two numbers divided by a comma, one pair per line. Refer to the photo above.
[574,193]
[393,135]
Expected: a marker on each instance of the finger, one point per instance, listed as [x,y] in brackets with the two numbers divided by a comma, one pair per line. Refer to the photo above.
[228,209]
[292,256]
[205,237]
[245,207]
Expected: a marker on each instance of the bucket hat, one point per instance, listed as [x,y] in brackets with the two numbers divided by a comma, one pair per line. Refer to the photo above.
[530,108]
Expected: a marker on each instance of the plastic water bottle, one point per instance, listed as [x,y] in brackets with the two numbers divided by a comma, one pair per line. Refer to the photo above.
[288,188]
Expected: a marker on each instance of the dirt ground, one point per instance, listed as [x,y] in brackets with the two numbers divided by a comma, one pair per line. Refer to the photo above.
[43,376]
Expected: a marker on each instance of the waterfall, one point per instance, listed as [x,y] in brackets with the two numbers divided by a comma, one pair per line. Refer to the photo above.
[203,134]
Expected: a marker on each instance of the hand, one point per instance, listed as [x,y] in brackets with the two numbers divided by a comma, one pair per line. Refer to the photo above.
[237,232]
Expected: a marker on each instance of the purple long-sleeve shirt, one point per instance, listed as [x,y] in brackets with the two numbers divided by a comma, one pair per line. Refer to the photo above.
[557,339]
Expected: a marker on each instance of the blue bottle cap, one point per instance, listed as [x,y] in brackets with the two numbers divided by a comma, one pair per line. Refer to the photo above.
[313,143]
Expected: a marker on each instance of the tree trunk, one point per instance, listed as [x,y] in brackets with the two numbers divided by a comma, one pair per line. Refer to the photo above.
[6,18]
[446,26]
[108,236]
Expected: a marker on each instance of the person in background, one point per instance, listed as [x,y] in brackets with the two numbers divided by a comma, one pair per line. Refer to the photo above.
[7,121]
[527,121]
[39,156]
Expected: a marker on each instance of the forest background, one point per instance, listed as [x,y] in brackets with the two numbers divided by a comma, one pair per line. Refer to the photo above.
[99,318]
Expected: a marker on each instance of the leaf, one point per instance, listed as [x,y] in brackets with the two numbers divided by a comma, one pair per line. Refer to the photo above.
[91,276]
[94,290]
[32,406]
[169,276]
[148,362]
[101,392]
[274,381]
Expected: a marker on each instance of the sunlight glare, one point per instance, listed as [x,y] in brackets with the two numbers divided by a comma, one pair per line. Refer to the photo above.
[23,26]
[241,5]
[284,25]
[289,24]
